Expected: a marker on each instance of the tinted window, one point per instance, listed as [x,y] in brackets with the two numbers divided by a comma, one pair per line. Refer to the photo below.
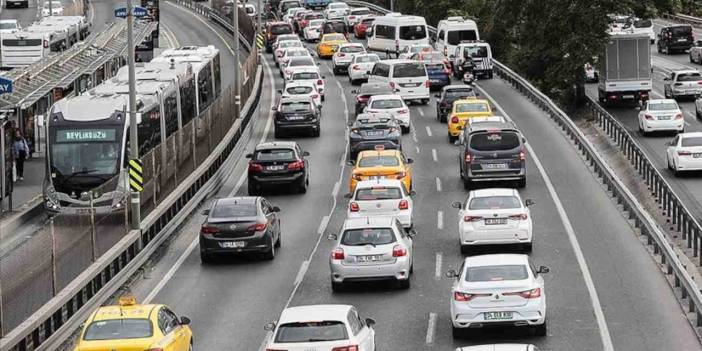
[692,141]
[494,141]
[494,202]
[360,12]
[368,21]
[643,24]
[274,155]
[689,77]
[455,37]
[378,161]
[310,16]
[406,70]
[375,89]
[381,70]
[435,66]
[334,27]
[413,32]
[681,31]
[384,32]
[316,23]
[386,104]
[298,106]
[367,236]
[334,37]
[281,29]
[496,273]
[299,90]
[301,62]
[662,106]
[472,108]
[378,193]
[289,44]
[118,329]
[458,93]
[306,331]
[231,209]
[305,75]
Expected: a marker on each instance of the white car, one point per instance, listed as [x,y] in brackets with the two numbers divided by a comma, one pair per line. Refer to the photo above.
[321,328]
[283,46]
[591,74]
[287,69]
[356,15]
[290,14]
[360,65]
[293,52]
[56,9]
[381,197]
[336,10]
[684,152]
[500,289]
[392,104]
[313,30]
[410,50]
[371,248]
[500,347]
[494,216]
[682,83]
[284,37]
[661,115]
[8,26]
[344,55]
[309,74]
[302,88]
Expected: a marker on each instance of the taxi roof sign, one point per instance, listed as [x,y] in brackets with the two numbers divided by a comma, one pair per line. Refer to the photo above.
[128,300]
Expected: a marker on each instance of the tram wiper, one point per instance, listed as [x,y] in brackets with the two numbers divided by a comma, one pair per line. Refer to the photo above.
[86,171]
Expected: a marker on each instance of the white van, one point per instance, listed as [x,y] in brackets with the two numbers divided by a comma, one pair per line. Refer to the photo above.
[481,54]
[641,26]
[394,31]
[408,78]
[452,31]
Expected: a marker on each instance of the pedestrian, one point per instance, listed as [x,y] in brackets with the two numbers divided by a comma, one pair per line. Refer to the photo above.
[20,149]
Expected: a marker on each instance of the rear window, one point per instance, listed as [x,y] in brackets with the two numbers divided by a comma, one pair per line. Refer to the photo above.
[296,53]
[301,62]
[494,141]
[375,89]
[334,37]
[230,209]
[494,203]
[334,27]
[367,21]
[299,90]
[367,58]
[472,108]
[274,155]
[298,106]
[663,106]
[379,161]
[316,23]
[361,12]
[119,329]
[378,193]
[692,141]
[310,16]
[289,44]
[435,66]
[454,37]
[407,70]
[458,93]
[386,104]
[681,31]
[305,75]
[689,77]
[351,49]
[413,32]
[496,273]
[643,24]
[367,236]
[432,56]
[281,29]
[475,51]
[311,331]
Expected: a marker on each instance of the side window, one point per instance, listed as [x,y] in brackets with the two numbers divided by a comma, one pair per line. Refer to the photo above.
[398,227]
[354,322]
[675,141]
[384,32]
[440,36]
[672,76]
[167,320]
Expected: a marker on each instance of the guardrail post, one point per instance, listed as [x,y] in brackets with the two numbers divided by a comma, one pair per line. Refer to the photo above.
[93,230]
[54,285]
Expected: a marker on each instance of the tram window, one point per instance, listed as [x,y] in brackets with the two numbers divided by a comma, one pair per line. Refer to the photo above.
[170,109]
[187,101]
[204,82]
[217,76]
[149,130]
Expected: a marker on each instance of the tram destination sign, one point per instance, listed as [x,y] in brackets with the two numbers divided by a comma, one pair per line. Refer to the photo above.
[83,135]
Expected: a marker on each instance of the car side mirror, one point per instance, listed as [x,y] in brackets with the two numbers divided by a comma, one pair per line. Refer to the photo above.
[529,202]
[269,326]
[332,236]
[275,209]
[451,273]
[409,161]
[457,204]
[249,155]
[370,322]
[184,320]
[305,153]
[523,140]
[350,163]
[543,270]
[205,212]
[412,193]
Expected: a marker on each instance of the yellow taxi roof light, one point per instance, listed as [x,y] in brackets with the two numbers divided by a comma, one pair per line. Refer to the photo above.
[129,300]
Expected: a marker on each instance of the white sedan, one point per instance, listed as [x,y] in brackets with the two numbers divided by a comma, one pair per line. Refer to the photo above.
[322,327]
[500,289]
[286,70]
[55,6]
[293,52]
[302,88]
[684,152]
[494,216]
[500,347]
[392,104]
[381,197]
[309,74]
[344,55]
[661,115]
[313,30]
[360,66]
[336,10]
[283,46]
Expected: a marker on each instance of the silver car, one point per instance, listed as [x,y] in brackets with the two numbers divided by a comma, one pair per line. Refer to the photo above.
[371,248]
[682,83]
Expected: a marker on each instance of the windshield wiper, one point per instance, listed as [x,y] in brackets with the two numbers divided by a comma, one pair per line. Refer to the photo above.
[319,340]
[84,172]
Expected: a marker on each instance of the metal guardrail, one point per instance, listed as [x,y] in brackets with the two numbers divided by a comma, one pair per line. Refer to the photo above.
[54,322]
[678,17]
[246,38]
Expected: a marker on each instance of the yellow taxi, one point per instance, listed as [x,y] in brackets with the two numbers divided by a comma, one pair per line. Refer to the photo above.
[133,327]
[463,110]
[374,164]
[329,44]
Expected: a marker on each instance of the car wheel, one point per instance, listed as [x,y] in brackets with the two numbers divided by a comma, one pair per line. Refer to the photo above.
[404,284]
[425,101]
[670,167]
[280,235]
[465,250]
[404,129]
[302,186]
[335,70]
[205,258]
[675,170]
[336,287]
[697,114]
[457,333]
[270,254]
[322,97]
[521,183]
[452,139]
[252,189]
[527,247]
[540,330]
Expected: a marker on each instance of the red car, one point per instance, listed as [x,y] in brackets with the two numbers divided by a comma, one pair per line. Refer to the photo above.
[359,30]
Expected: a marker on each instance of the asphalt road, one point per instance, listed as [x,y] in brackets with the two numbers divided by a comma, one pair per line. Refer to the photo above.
[604,291]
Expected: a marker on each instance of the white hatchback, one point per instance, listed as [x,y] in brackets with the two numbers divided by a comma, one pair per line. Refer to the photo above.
[313,30]
[392,104]
[661,115]
[336,10]
[684,152]
[344,55]
[360,65]
[494,216]
[284,46]
[300,89]
[294,52]
[381,197]
[309,74]
[286,70]
[498,290]
[321,328]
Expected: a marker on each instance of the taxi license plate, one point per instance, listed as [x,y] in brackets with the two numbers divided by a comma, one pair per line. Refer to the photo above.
[233,244]
[275,168]
[369,258]
[495,221]
[494,166]
[489,316]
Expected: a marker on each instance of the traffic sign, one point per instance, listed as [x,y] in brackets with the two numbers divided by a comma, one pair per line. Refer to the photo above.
[5,85]
[136,175]
[138,11]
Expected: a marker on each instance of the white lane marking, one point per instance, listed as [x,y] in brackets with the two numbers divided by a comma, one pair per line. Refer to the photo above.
[431,328]
[439,263]
[440,219]
[170,37]
[433,155]
[417,148]
[438,184]
[428,131]
[580,257]
[335,192]
[179,262]
[323,225]
[91,8]
[414,138]
[303,270]
[421,113]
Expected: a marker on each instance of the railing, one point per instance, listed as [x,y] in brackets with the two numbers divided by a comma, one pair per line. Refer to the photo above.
[680,18]
[199,158]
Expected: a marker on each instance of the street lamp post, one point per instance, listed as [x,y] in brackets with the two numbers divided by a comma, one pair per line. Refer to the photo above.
[237,64]
[133,135]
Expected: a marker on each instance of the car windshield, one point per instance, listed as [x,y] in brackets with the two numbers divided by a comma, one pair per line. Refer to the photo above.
[274,155]
[689,77]
[413,32]
[378,193]
[459,93]
[305,75]
[296,53]
[367,236]
[297,106]
[318,331]
[334,37]
[691,141]
[337,6]
[301,62]
[476,107]
[386,104]
[281,29]
[334,27]
[368,21]
[455,37]
[494,203]
[233,209]
[353,48]
[496,273]
[119,329]
[682,31]
[410,69]
[379,161]
[662,106]
[494,141]
[475,51]
[367,58]
[373,89]
[85,151]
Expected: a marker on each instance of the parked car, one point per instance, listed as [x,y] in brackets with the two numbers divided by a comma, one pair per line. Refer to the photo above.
[278,163]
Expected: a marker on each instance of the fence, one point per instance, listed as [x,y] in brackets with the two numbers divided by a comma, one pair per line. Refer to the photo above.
[680,18]
[80,260]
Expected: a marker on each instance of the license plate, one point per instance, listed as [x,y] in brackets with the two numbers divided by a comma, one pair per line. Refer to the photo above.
[410,84]
[495,221]
[275,168]
[374,177]
[664,118]
[627,96]
[375,133]
[682,39]
[489,316]
[697,155]
[494,166]
[232,244]
[295,118]
[369,258]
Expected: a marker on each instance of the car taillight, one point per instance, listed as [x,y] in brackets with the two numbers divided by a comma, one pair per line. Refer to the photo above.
[468,158]
[46,43]
[304,23]
[397,44]
[357,177]
[679,116]
[320,82]
[454,119]
[461,296]
[527,294]
[314,96]
[346,348]
[401,175]
[427,84]
[522,155]
[288,71]
[519,217]
[296,166]
[337,254]
[208,230]
[648,117]
[399,251]
[355,67]
[392,85]
[362,98]
[258,227]
[341,54]
[403,111]
[404,205]
[684,153]
[699,82]
[255,167]
[467,218]
[353,207]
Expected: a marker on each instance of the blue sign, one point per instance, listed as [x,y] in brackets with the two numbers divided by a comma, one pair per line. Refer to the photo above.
[5,86]
[138,11]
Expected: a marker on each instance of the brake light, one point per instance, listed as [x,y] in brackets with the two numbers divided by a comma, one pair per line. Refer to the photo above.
[355,67]
[337,254]
[527,294]
[357,177]
[399,251]
[460,296]
[404,205]
[353,207]
[519,217]
[427,84]
[522,155]
[208,230]
[320,82]
[46,43]
[401,175]
[467,218]
[362,98]
[468,158]
[403,111]
[296,166]
[679,116]
[341,54]
[258,227]
[346,348]
[684,153]
[392,85]
[255,167]
[454,119]
[648,117]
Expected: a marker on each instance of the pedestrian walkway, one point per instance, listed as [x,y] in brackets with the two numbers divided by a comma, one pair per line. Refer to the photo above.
[26,191]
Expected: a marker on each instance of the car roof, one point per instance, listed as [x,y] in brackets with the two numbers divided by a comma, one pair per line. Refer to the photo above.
[398,61]
[483,126]
[368,222]
[245,200]
[379,182]
[299,82]
[386,97]
[686,71]
[494,192]
[457,87]
[276,145]
[373,117]
[304,69]
[117,312]
[314,313]
[295,98]
[370,87]
[497,259]
[496,347]
[661,101]
[471,101]
[352,44]
[690,135]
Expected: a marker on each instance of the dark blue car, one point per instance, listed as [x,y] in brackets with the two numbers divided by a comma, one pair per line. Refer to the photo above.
[439,74]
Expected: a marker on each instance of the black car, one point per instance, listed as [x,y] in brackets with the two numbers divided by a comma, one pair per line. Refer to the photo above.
[675,38]
[278,163]
[240,225]
[367,90]
[297,114]
[374,130]
[449,94]
[493,151]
